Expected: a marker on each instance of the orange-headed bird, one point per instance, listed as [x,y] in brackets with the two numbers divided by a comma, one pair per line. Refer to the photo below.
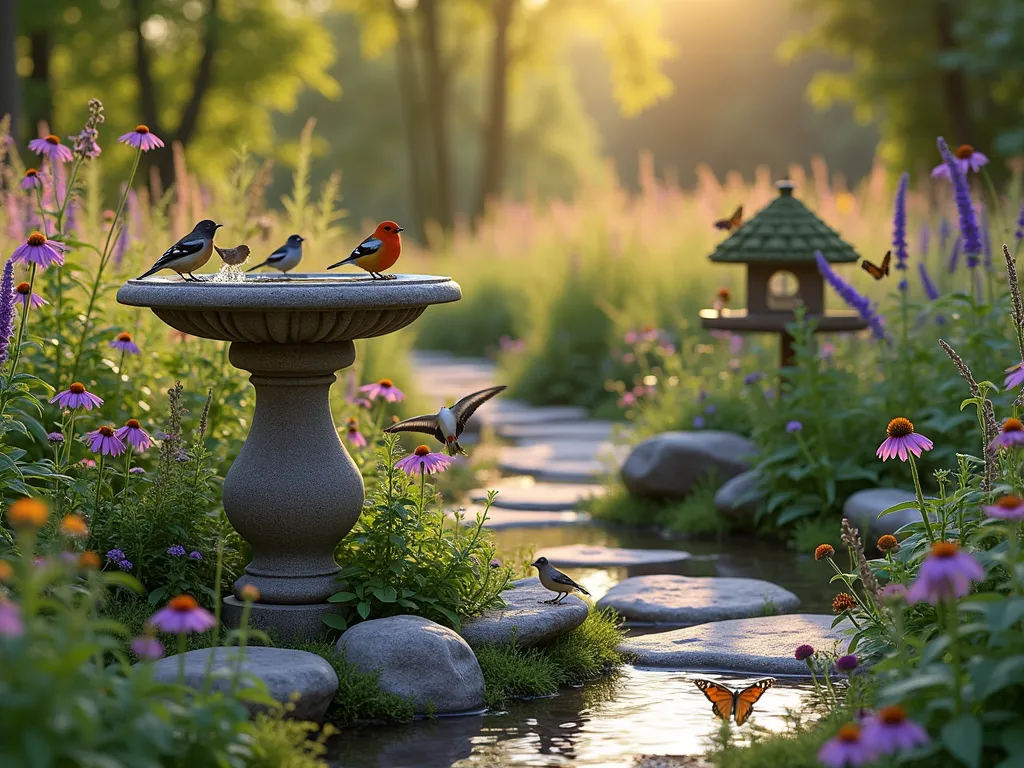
[377,252]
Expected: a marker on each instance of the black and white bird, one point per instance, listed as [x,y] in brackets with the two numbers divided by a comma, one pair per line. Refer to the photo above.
[448,424]
[190,253]
[556,581]
[286,257]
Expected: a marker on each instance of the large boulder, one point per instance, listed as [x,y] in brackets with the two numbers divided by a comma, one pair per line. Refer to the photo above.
[761,646]
[864,507]
[668,465]
[285,672]
[688,600]
[739,498]
[525,620]
[417,659]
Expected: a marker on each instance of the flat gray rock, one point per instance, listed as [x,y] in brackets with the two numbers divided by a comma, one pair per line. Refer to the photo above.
[284,671]
[417,659]
[596,431]
[596,556]
[668,465]
[686,600]
[527,494]
[864,507]
[761,646]
[524,620]
[727,499]
[563,461]
[499,519]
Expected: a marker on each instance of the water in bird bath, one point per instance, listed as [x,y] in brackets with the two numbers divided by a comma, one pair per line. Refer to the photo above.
[602,725]
[229,273]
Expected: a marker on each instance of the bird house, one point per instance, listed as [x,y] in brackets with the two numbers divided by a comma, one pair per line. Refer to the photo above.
[777,248]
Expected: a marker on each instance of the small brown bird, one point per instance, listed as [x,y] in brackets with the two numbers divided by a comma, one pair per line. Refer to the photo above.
[234,256]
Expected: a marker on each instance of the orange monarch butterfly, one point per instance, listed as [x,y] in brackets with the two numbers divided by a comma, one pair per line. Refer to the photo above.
[733,222]
[739,704]
[877,272]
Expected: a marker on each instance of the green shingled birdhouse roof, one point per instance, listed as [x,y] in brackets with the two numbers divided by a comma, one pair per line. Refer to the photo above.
[784,231]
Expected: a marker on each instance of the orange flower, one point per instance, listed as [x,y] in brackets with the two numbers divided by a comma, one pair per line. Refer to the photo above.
[89,561]
[824,550]
[28,513]
[888,543]
[74,525]
[249,593]
[6,571]
[843,602]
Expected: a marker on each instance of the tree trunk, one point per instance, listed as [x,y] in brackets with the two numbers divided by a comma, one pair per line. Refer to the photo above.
[954,82]
[40,94]
[492,163]
[10,85]
[436,104]
[412,114]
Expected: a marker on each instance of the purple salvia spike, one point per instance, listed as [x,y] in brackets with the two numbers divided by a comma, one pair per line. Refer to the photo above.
[6,311]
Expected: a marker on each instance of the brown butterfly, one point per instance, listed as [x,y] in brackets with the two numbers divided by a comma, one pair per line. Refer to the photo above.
[726,702]
[875,271]
[733,222]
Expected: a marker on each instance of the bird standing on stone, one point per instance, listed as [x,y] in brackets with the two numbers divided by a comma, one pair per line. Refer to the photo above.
[188,254]
[378,252]
[233,256]
[286,257]
[448,424]
[555,580]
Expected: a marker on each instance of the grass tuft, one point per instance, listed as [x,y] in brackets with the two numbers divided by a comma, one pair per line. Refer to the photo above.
[694,516]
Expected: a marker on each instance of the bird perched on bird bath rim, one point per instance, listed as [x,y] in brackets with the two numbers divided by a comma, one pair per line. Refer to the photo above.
[286,257]
[378,252]
[188,254]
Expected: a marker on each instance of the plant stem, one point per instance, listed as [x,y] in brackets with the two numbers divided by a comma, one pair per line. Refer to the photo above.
[127,474]
[949,609]
[181,665]
[99,487]
[920,499]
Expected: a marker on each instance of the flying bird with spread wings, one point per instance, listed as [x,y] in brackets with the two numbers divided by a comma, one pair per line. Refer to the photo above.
[448,424]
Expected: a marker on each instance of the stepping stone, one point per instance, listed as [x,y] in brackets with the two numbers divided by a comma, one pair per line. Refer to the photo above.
[761,646]
[596,431]
[563,462]
[284,671]
[525,620]
[668,465]
[596,556]
[515,412]
[527,494]
[498,519]
[743,486]
[686,600]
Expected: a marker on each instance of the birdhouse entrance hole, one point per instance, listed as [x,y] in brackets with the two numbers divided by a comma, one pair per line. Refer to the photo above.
[783,291]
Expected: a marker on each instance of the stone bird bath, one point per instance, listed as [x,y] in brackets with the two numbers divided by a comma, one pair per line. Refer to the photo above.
[293,491]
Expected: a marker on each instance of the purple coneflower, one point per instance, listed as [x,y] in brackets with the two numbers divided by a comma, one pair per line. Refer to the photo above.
[176,551]
[11,624]
[1010,434]
[147,648]
[1006,508]
[124,343]
[76,396]
[50,146]
[422,460]
[1014,376]
[355,437]
[195,555]
[965,209]
[945,574]
[847,663]
[383,389]
[134,435]
[27,297]
[899,224]
[104,442]
[794,426]
[850,295]
[890,731]
[31,180]
[804,652]
[893,593]
[930,290]
[115,555]
[183,615]
[847,748]
[40,251]
[142,139]
[965,159]
[902,440]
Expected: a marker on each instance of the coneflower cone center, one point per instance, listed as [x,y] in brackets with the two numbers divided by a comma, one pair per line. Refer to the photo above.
[51,139]
[1009,502]
[77,388]
[893,715]
[31,172]
[1013,425]
[183,603]
[964,152]
[944,549]
[133,424]
[422,450]
[36,239]
[106,431]
[385,383]
[124,336]
[899,427]
[849,734]
[23,288]
[142,129]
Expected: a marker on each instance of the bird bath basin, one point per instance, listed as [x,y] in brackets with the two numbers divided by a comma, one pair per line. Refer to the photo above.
[293,491]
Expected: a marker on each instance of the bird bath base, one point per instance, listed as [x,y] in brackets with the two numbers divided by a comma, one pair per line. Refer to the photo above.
[293,492]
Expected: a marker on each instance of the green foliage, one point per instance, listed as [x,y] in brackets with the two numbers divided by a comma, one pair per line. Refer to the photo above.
[796,747]
[808,532]
[405,556]
[694,516]
[588,652]
[281,743]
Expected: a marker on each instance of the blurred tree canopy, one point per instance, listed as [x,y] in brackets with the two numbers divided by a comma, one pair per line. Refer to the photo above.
[924,68]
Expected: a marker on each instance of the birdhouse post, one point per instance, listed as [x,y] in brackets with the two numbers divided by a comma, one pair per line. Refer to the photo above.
[777,247]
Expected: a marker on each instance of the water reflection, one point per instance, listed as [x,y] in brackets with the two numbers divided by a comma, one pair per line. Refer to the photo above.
[747,558]
[603,725]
